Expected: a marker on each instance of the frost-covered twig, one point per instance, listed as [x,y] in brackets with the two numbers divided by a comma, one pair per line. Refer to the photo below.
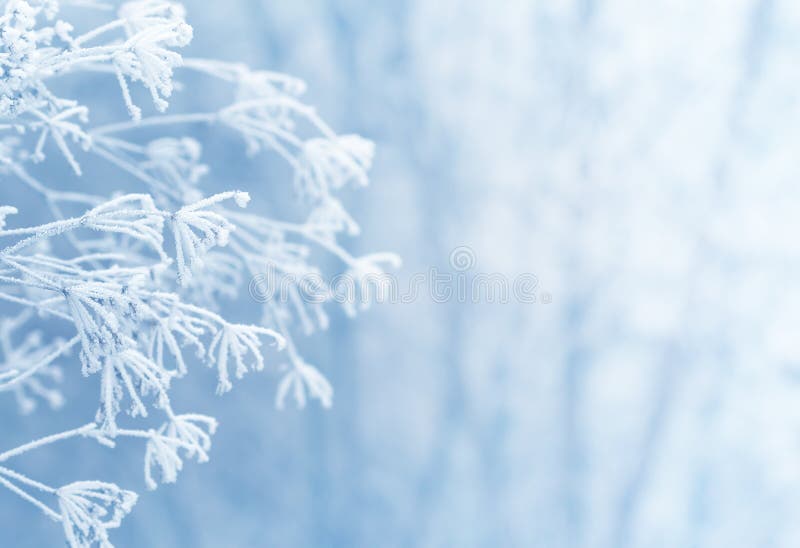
[134,279]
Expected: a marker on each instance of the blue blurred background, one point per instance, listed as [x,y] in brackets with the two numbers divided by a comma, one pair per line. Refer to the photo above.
[640,158]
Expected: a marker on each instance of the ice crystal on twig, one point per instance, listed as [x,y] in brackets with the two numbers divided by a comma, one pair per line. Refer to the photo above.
[90,508]
[183,433]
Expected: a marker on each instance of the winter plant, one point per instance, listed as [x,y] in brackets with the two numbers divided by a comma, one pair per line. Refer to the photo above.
[132,281]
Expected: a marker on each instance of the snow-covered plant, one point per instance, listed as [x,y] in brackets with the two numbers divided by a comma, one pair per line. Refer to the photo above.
[131,280]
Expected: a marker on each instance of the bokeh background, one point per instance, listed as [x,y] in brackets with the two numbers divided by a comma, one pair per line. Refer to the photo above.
[641,159]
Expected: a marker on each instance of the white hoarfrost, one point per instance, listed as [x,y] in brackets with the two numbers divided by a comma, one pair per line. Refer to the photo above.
[135,277]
